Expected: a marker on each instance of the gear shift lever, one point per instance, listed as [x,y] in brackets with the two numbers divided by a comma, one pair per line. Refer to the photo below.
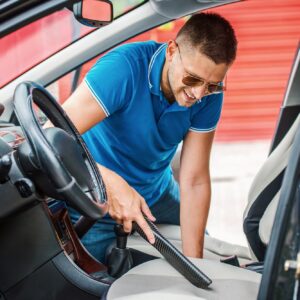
[120,259]
[121,236]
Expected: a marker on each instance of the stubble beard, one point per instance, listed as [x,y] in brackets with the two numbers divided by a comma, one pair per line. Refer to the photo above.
[169,93]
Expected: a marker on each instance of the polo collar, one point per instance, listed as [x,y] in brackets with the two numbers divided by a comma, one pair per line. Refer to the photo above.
[155,69]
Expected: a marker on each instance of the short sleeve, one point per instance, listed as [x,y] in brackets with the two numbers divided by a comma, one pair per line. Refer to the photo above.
[110,81]
[207,117]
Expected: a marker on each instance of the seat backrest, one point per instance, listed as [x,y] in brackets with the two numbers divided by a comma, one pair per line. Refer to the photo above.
[264,195]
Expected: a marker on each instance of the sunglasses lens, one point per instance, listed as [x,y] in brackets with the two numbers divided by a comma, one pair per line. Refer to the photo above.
[192,81]
[213,88]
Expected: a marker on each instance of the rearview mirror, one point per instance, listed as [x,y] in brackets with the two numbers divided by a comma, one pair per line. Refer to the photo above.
[94,13]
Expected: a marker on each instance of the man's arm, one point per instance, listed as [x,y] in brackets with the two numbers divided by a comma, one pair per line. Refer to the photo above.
[83,109]
[195,191]
[125,203]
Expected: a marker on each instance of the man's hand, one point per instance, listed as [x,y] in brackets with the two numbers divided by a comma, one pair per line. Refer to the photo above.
[125,205]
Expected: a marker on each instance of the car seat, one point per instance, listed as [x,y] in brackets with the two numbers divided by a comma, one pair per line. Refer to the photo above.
[258,216]
[158,280]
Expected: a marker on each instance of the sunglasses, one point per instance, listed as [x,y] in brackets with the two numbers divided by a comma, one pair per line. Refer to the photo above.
[211,88]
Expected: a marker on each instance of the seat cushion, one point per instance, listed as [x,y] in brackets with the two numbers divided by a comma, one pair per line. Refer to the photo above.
[214,249]
[158,280]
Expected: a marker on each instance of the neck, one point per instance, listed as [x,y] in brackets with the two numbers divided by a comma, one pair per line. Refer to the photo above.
[165,85]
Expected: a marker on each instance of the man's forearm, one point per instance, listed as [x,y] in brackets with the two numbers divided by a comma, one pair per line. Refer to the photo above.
[194,208]
[125,204]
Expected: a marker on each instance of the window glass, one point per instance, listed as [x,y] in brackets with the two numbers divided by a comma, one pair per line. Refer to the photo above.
[63,88]
[123,6]
[33,43]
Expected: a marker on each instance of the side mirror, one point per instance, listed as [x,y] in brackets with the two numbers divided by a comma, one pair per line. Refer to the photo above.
[93,13]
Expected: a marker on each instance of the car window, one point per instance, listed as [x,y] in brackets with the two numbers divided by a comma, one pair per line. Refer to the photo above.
[63,87]
[35,42]
[257,81]
[31,44]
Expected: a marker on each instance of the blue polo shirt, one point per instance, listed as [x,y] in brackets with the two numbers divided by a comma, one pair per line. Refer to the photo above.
[141,132]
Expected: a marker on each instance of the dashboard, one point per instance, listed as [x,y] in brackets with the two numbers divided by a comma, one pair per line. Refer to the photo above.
[18,193]
[12,135]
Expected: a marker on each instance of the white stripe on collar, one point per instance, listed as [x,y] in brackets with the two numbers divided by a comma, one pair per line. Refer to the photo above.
[152,62]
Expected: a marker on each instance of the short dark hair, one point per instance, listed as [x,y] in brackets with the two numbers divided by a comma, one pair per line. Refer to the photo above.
[212,35]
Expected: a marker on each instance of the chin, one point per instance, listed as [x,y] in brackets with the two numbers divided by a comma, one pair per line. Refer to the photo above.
[185,103]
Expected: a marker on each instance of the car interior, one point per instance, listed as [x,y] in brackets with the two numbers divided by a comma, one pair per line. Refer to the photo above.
[42,171]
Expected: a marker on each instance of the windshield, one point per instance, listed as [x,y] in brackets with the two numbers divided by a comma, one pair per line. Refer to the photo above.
[23,49]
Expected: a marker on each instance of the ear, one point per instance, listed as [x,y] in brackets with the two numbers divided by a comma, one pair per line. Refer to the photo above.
[171,50]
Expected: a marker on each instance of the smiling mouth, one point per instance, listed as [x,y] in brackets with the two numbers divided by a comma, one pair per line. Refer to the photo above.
[189,98]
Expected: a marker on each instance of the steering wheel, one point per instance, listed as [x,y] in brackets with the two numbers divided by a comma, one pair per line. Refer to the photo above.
[56,158]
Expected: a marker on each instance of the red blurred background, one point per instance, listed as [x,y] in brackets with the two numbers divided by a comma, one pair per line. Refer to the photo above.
[268,34]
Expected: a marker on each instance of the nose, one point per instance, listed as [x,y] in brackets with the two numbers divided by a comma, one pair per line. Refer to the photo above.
[199,91]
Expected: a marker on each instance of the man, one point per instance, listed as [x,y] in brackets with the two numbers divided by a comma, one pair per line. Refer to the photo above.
[135,106]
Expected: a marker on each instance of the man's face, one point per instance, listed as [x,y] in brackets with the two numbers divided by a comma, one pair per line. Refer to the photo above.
[192,75]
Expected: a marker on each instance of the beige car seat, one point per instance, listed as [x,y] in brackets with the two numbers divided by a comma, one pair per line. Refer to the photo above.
[258,215]
[156,279]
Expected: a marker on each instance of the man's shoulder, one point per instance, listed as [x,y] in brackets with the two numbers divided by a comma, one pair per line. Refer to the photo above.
[138,50]
[130,57]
